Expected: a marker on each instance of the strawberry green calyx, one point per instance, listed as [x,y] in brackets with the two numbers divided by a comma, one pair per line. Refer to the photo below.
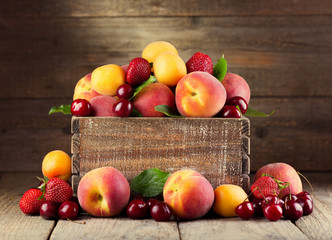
[281,184]
[42,187]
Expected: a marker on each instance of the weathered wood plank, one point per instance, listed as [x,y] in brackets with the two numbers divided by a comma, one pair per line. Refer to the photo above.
[115,228]
[212,147]
[79,8]
[13,223]
[318,223]
[272,53]
[234,228]
[322,185]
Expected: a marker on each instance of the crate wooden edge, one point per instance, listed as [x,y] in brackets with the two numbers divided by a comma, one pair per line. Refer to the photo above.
[245,136]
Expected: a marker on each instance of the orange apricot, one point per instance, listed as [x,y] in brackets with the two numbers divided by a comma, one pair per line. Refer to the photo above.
[57,164]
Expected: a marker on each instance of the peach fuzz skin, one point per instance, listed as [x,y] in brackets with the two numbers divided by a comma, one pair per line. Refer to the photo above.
[102,106]
[189,194]
[83,89]
[153,95]
[103,192]
[199,94]
[283,172]
[235,86]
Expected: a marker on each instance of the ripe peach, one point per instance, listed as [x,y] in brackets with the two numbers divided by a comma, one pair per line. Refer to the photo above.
[125,68]
[106,79]
[83,89]
[153,95]
[57,164]
[103,192]
[189,194]
[102,106]
[169,68]
[283,172]
[235,85]
[199,94]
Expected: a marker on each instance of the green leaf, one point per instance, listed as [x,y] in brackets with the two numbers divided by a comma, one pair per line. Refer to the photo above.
[152,79]
[254,113]
[65,109]
[168,111]
[150,182]
[220,69]
[136,113]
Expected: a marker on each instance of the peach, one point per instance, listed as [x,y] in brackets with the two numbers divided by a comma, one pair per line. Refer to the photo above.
[106,79]
[125,68]
[102,106]
[103,192]
[235,85]
[199,94]
[84,90]
[153,95]
[189,194]
[283,172]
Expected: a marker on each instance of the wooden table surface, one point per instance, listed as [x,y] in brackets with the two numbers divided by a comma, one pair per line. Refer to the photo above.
[15,225]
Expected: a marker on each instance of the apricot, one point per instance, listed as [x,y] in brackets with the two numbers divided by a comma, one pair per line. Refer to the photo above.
[152,50]
[153,95]
[189,194]
[57,164]
[227,198]
[199,94]
[169,68]
[106,79]
[235,85]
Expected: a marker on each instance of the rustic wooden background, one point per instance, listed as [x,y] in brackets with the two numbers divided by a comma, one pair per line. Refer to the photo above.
[283,48]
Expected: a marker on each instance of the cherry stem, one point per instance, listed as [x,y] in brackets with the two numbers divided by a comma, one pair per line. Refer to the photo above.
[75,221]
[312,189]
[261,193]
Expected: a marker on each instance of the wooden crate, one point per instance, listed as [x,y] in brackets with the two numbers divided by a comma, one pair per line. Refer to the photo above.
[217,148]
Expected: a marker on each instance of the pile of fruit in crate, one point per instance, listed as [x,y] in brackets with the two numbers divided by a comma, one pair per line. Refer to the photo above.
[161,84]
[184,194]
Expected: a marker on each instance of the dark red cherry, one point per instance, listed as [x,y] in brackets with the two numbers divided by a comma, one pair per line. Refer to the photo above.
[270,199]
[289,197]
[122,107]
[125,91]
[230,111]
[273,212]
[238,101]
[306,204]
[81,108]
[151,202]
[304,194]
[68,210]
[257,205]
[49,210]
[245,210]
[292,210]
[160,211]
[137,209]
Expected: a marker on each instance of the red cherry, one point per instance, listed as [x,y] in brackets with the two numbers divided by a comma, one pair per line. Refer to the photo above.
[125,91]
[122,107]
[273,212]
[230,111]
[304,194]
[49,210]
[257,205]
[68,210]
[152,202]
[238,101]
[306,204]
[81,108]
[289,197]
[137,209]
[270,199]
[245,210]
[292,210]
[160,212]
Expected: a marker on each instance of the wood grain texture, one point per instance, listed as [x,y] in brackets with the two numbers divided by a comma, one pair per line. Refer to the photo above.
[46,57]
[213,147]
[232,228]
[13,223]
[115,228]
[85,8]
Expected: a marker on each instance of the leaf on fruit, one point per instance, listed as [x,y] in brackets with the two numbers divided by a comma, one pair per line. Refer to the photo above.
[65,109]
[150,182]
[152,79]
[220,69]
[168,111]
[136,113]
[254,113]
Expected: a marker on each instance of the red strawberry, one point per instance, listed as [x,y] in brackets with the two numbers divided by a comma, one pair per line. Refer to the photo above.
[29,203]
[57,190]
[200,62]
[139,70]
[265,185]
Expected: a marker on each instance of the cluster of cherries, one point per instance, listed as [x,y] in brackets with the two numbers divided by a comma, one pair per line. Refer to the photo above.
[139,208]
[52,211]
[290,206]
[232,106]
